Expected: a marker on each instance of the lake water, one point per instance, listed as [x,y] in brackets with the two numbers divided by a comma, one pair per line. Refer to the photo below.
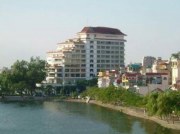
[71,118]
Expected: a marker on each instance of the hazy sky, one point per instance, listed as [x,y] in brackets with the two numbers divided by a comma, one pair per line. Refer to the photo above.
[33,27]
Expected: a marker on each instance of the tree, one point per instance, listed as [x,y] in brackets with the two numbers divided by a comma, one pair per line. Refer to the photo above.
[35,73]
[6,82]
[176,55]
[23,75]
[152,103]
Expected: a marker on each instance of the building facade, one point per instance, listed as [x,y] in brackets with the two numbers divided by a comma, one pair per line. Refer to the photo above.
[92,50]
[175,62]
[148,61]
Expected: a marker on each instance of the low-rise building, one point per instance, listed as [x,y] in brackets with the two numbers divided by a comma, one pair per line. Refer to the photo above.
[107,78]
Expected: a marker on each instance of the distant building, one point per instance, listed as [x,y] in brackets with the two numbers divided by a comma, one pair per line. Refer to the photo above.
[92,50]
[130,79]
[162,66]
[148,61]
[175,62]
[134,67]
[107,78]
[155,82]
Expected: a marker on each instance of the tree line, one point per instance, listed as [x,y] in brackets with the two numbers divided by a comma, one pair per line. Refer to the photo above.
[22,76]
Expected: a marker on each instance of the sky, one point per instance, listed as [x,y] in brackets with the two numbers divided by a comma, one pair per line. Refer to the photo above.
[33,27]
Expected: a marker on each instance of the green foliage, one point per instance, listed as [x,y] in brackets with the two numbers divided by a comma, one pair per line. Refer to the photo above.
[22,76]
[115,96]
[163,104]
[176,55]
[152,103]
[82,84]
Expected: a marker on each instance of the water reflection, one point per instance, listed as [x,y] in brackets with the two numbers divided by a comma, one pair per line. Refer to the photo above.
[68,118]
[117,120]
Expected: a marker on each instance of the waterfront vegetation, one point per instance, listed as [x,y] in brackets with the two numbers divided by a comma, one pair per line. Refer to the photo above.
[22,77]
[165,105]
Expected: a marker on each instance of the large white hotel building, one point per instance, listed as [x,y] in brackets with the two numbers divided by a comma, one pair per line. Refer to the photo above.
[92,50]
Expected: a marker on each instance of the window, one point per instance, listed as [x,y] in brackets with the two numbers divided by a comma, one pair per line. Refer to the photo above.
[91,56]
[83,60]
[83,56]
[82,70]
[91,61]
[59,75]
[91,65]
[91,42]
[91,70]
[102,61]
[102,42]
[103,52]
[77,75]
[83,75]
[66,75]
[103,47]
[108,42]
[77,70]
[66,70]
[83,65]
[83,51]
[91,51]
[59,70]
[91,46]
[107,52]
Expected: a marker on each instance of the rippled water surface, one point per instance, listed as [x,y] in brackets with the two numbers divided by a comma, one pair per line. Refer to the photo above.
[71,118]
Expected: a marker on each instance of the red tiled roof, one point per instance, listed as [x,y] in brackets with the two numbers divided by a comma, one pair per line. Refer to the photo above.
[102,30]
[131,74]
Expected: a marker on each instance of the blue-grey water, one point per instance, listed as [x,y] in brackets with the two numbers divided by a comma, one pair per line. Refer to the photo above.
[71,118]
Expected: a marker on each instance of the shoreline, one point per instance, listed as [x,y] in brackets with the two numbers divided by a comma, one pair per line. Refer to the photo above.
[132,112]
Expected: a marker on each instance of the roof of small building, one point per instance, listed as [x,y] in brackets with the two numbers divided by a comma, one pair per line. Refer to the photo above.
[102,30]
[135,65]
[157,90]
[131,74]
